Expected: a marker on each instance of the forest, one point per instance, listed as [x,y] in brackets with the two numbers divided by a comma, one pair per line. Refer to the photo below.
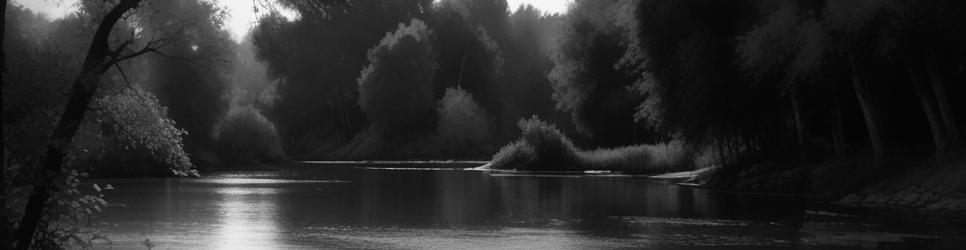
[813,96]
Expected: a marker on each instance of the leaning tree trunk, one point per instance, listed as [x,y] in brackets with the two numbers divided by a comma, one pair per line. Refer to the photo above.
[95,64]
[872,123]
[949,120]
[928,103]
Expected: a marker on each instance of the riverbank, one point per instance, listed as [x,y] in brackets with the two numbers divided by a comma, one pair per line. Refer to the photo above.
[908,183]
[906,186]
[931,187]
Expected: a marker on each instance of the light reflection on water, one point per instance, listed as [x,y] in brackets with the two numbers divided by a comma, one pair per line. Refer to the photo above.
[247,223]
[355,207]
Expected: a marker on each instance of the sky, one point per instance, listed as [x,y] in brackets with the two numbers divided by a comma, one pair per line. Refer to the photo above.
[242,18]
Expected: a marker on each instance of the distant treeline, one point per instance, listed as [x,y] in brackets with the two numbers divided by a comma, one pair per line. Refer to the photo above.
[406,79]
[451,78]
[799,79]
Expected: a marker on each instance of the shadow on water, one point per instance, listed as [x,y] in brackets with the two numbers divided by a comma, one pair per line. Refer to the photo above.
[365,206]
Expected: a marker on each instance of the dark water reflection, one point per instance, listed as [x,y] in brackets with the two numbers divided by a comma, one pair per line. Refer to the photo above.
[312,206]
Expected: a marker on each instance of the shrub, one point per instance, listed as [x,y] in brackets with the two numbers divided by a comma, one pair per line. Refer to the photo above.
[464,128]
[129,121]
[543,147]
[515,155]
[246,135]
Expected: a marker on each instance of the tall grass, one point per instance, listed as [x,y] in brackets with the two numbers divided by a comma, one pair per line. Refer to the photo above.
[543,147]
[663,157]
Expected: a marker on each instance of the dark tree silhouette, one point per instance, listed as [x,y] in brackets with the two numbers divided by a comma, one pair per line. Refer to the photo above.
[394,89]
[316,60]
[587,81]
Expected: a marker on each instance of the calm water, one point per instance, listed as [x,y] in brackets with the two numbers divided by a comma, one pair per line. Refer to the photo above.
[310,206]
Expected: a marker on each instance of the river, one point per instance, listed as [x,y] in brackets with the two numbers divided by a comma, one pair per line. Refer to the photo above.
[443,206]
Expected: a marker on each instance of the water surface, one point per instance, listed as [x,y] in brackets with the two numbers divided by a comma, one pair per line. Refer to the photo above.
[310,206]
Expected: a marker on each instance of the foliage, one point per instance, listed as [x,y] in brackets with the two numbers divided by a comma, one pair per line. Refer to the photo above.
[526,90]
[650,159]
[394,89]
[586,79]
[68,220]
[246,134]
[498,57]
[250,85]
[132,119]
[315,62]
[464,127]
[684,64]
[543,147]
[192,80]
[790,43]
[46,57]
[470,38]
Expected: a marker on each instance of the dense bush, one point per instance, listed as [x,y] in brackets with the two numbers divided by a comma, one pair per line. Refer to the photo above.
[543,147]
[125,122]
[464,128]
[246,135]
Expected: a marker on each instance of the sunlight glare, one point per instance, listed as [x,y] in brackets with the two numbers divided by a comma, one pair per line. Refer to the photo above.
[247,222]
[547,6]
[242,15]
[52,9]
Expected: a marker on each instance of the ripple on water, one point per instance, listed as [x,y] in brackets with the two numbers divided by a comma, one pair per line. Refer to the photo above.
[250,181]
[644,220]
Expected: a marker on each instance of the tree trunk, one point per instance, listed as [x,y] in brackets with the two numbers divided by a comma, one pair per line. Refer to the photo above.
[872,123]
[4,218]
[938,87]
[721,153]
[799,123]
[928,103]
[95,64]
[838,130]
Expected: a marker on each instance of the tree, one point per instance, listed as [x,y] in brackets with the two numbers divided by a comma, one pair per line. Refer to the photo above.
[682,56]
[191,76]
[902,33]
[470,38]
[394,89]
[918,39]
[245,133]
[787,48]
[527,89]
[100,58]
[586,77]
[315,62]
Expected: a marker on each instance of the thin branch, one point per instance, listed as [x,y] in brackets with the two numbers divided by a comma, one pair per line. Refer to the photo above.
[155,45]
[123,75]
